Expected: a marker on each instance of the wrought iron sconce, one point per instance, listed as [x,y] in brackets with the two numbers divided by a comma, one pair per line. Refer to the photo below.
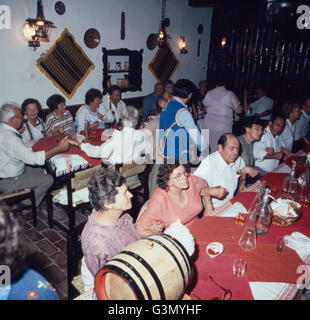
[37,30]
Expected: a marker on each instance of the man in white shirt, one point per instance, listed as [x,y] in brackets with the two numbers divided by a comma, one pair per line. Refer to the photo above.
[267,152]
[89,112]
[292,112]
[301,126]
[262,107]
[16,159]
[112,101]
[224,167]
[124,146]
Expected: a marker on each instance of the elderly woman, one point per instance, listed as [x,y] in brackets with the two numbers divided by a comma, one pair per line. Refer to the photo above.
[124,146]
[22,283]
[89,112]
[60,120]
[177,197]
[108,230]
[34,126]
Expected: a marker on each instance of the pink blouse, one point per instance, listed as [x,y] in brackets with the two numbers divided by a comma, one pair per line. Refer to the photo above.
[162,207]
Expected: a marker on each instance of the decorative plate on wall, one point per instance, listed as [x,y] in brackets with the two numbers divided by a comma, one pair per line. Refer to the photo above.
[151,41]
[60,8]
[92,38]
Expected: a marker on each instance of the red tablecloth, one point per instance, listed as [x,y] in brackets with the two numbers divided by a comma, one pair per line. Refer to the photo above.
[221,270]
[48,143]
[264,264]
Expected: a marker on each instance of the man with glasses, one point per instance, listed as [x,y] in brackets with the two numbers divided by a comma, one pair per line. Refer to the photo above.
[253,129]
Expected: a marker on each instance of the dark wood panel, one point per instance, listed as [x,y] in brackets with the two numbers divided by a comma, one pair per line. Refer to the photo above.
[271,52]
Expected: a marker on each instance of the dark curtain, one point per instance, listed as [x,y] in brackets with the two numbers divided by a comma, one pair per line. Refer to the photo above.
[261,50]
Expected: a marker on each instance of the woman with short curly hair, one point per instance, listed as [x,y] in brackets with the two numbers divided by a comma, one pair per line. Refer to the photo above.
[108,229]
[178,197]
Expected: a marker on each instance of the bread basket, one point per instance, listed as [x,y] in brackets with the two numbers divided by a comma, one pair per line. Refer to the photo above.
[286,221]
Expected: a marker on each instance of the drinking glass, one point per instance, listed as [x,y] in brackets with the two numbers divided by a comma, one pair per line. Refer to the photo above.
[280,244]
[239,267]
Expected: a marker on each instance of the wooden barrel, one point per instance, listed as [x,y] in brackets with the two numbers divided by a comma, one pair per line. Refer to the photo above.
[154,268]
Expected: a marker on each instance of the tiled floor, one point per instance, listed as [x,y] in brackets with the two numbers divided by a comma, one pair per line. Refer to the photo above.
[46,248]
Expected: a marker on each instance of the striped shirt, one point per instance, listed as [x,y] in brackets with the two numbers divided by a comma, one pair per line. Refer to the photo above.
[53,121]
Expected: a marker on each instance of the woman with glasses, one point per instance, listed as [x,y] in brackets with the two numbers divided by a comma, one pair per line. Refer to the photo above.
[34,126]
[178,197]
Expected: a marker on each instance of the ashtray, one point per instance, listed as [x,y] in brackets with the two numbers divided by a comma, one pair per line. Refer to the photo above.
[214,249]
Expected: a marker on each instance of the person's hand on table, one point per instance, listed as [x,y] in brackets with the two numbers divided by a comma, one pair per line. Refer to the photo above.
[94,125]
[63,144]
[269,150]
[287,153]
[242,186]
[157,227]
[307,140]
[73,142]
[250,171]
[215,192]
[59,130]
[100,116]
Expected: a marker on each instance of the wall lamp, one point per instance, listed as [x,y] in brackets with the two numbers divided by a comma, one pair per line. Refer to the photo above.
[182,45]
[37,30]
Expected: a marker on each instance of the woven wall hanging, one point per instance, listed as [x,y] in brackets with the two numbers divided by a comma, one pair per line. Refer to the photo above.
[66,64]
[164,64]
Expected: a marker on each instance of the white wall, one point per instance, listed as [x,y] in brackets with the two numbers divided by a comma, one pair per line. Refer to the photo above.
[20,78]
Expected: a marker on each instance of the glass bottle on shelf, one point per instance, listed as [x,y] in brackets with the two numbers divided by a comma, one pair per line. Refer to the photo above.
[126,80]
[118,66]
[247,240]
[126,65]
[264,214]
[290,184]
[109,82]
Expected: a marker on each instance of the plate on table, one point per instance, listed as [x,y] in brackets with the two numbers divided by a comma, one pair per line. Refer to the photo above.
[214,249]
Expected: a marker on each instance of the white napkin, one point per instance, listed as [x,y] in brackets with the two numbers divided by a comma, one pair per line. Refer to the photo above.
[178,231]
[300,243]
[282,168]
[234,210]
[77,196]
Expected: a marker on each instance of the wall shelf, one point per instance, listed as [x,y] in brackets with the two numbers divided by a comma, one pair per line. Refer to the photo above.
[134,73]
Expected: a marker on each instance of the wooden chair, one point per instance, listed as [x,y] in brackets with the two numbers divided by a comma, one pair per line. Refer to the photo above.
[16,196]
[136,168]
[74,181]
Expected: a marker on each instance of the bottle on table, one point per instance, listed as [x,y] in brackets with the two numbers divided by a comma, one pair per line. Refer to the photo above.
[290,184]
[264,214]
[247,241]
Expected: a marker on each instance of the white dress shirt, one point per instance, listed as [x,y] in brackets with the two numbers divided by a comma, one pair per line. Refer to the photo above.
[286,138]
[261,105]
[124,146]
[259,152]
[216,172]
[14,154]
[301,126]
[108,104]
